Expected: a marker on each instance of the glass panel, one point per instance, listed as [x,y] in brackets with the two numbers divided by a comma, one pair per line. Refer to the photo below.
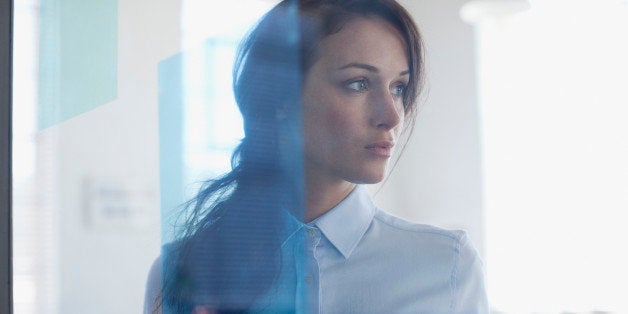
[123,110]
[114,101]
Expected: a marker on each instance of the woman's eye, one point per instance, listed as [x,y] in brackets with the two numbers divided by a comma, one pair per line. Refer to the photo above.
[399,90]
[358,85]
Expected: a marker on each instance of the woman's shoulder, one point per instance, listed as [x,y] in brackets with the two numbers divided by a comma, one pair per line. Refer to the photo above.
[153,287]
[154,281]
[401,233]
[449,250]
[402,226]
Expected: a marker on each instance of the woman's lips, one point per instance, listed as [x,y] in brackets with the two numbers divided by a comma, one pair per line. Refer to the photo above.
[381,149]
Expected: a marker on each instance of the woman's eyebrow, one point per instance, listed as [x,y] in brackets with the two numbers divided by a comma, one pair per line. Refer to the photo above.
[367,67]
[364,66]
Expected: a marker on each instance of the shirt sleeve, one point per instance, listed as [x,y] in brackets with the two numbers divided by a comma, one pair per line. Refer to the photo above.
[468,280]
[153,288]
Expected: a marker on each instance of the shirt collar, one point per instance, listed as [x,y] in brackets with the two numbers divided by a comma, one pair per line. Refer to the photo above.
[291,226]
[346,223]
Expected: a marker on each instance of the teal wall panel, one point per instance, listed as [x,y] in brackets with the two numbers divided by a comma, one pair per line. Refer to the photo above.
[170,142]
[78,58]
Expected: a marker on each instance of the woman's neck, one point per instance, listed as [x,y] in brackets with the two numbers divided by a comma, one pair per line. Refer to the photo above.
[322,195]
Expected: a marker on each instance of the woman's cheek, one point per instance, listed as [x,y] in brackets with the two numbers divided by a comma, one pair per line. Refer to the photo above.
[342,121]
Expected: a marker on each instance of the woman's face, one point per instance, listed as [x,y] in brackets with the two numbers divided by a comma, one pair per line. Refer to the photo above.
[353,102]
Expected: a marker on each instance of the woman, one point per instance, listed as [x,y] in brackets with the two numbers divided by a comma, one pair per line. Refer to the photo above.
[325,88]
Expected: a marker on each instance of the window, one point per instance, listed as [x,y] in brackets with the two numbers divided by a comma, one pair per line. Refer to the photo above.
[553,94]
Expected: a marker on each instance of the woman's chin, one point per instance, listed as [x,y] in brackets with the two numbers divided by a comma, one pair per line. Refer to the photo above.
[372,177]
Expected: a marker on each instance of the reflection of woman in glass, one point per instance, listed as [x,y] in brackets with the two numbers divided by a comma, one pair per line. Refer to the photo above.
[325,88]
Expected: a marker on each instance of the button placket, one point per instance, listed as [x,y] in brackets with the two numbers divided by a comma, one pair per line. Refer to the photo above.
[311,277]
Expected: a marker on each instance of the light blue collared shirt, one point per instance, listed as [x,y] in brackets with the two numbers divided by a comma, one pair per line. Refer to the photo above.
[359,259]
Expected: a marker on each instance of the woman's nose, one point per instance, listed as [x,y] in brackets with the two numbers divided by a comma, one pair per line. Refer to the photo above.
[387,110]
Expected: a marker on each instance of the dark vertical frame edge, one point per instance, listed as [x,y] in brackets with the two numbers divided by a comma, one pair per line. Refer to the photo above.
[6,64]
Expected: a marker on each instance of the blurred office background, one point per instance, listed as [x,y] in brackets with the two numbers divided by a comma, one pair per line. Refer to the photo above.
[122,107]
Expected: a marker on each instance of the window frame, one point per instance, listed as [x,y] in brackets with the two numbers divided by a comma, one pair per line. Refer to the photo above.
[6,64]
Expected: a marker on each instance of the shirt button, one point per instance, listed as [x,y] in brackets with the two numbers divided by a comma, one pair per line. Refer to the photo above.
[309,278]
[312,232]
